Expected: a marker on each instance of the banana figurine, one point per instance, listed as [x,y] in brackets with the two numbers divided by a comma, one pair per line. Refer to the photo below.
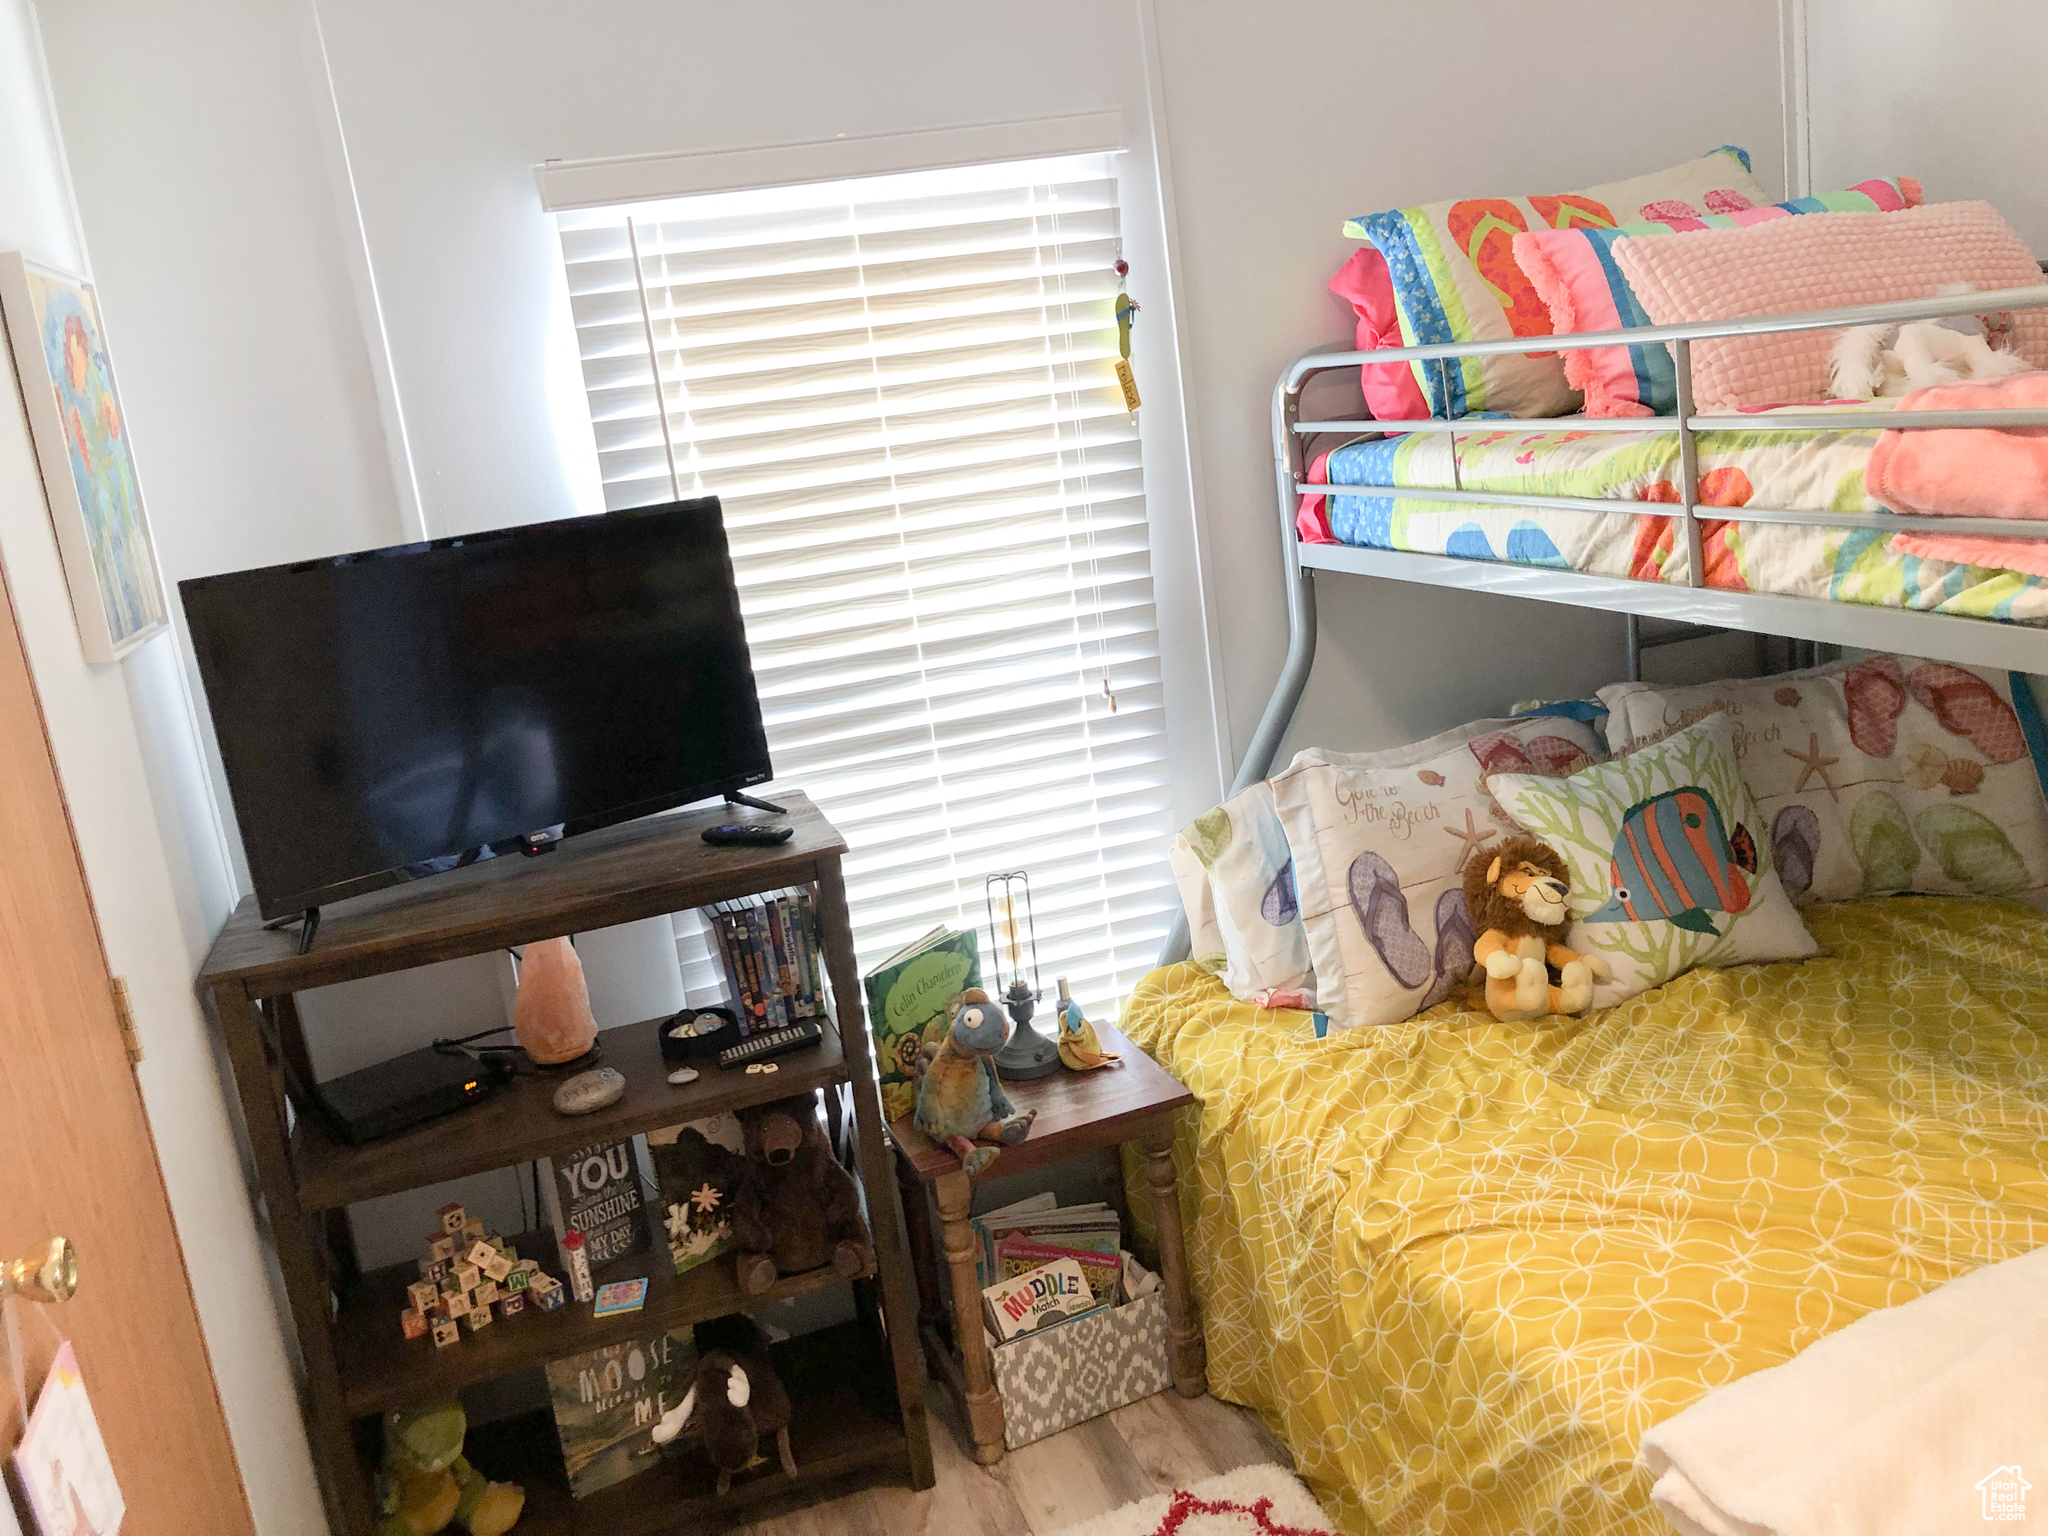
[1080,1050]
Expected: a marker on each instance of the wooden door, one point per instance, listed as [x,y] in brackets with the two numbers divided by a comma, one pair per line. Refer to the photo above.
[76,1156]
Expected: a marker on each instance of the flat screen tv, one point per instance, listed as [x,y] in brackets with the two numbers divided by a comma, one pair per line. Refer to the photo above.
[395,713]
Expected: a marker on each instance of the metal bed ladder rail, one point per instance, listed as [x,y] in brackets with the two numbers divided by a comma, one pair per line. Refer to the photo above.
[1581,588]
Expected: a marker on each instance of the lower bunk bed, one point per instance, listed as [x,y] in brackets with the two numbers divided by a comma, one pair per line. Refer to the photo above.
[1461,1266]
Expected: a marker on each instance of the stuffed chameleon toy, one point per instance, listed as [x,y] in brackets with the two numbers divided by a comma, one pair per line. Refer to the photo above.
[425,1482]
[960,1101]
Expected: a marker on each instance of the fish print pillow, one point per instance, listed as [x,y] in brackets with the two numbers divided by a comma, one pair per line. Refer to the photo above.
[1668,870]
[1380,841]
[1876,776]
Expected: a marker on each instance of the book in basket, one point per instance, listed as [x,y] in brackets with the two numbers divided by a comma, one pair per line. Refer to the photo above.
[1050,1294]
[907,996]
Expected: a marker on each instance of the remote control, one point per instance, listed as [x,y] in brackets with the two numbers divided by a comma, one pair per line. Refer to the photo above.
[748,834]
[792,1037]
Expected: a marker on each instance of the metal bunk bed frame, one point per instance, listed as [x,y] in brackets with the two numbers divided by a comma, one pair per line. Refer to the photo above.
[1696,608]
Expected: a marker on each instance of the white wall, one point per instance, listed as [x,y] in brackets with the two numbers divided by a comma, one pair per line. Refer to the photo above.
[1286,117]
[126,751]
[1946,90]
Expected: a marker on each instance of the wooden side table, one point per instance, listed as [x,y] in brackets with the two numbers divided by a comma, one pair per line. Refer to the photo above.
[1078,1113]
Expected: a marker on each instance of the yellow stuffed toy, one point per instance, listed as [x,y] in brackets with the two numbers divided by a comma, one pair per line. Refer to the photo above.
[425,1482]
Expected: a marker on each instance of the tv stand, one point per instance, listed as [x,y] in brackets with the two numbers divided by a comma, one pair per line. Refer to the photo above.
[309,921]
[734,797]
[857,1389]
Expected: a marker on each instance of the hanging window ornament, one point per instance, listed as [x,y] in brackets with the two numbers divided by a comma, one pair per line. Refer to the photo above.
[1126,311]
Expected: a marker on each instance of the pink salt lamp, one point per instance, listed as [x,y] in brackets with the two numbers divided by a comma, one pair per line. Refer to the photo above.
[551,1015]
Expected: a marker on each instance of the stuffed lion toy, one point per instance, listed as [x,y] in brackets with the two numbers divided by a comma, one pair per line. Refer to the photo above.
[1517,904]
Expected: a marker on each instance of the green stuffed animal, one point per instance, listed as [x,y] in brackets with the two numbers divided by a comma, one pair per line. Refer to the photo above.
[425,1482]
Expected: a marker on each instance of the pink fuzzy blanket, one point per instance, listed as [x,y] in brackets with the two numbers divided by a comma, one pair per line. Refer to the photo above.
[1968,472]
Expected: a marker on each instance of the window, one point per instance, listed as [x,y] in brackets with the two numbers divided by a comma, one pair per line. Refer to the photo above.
[902,389]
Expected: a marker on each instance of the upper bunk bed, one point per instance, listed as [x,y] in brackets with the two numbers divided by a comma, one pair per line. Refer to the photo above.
[1430,502]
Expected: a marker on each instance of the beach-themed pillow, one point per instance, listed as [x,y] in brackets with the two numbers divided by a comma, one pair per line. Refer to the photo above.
[1574,273]
[1668,869]
[1236,878]
[1198,901]
[1380,842]
[1874,776]
[1823,261]
[1454,275]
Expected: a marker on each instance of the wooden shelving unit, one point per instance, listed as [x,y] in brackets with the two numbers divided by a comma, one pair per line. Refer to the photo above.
[858,1388]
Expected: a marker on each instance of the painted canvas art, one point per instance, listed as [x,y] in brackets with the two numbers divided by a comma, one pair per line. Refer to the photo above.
[60,351]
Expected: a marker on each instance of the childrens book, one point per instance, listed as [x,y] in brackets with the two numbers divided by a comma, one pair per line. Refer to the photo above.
[1104,1267]
[607,1402]
[1093,1227]
[907,996]
[697,1168]
[1053,1293]
[596,1190]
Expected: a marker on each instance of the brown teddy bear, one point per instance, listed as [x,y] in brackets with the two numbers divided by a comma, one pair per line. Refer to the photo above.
[796,1209]
[1517,904]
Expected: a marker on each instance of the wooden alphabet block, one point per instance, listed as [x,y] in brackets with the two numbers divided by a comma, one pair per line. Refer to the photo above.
[518,1278]
[499,1268]
[446,1333]
[421,1294]
[485,1293]
[477,1319]
[442,1247]
[472,1229]
[452,1217]
[414,1322]
[548,1294]
[480,1253]
[455,1303]
[511,1304]
[466,1277]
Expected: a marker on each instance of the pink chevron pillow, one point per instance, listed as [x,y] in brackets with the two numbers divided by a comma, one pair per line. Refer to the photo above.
[1820,261]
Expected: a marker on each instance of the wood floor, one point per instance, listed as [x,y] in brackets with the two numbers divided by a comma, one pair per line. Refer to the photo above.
[1149,1447]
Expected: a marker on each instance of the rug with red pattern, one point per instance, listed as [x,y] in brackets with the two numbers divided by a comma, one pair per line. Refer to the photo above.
[1260,1500]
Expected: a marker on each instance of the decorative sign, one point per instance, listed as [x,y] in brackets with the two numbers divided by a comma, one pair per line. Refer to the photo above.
[62,1461]
[607,1402]
[595,1190]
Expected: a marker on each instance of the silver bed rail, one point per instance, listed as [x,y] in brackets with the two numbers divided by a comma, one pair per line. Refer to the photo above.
[1695,605]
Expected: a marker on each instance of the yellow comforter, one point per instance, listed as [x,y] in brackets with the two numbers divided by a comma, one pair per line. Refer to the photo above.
[1462,1266]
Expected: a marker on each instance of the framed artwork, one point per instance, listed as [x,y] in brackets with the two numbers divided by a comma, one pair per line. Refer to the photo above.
[67,381]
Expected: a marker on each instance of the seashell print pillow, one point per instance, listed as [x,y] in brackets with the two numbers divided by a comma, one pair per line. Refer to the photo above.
[1875,776]
[1668,869]
[1380,841]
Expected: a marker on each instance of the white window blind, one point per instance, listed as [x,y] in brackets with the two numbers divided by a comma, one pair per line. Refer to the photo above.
[901,388]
